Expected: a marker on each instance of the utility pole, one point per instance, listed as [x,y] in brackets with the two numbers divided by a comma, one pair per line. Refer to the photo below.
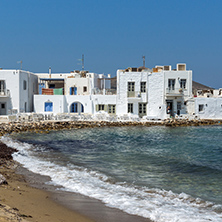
[143,61]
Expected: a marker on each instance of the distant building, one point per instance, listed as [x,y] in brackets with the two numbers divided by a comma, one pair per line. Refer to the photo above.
[158,93]
[16,91]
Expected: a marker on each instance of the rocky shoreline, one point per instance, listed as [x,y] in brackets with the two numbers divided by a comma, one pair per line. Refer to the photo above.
[46,126]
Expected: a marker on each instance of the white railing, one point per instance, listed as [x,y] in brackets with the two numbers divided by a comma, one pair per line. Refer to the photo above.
[104,91]
[174,91]
[134,94]
[5,92]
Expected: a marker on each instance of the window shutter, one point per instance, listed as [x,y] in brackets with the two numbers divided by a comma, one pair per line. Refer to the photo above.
[105,108]
[97,107]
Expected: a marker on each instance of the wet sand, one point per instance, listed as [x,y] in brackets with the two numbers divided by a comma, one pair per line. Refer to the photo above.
[28,198]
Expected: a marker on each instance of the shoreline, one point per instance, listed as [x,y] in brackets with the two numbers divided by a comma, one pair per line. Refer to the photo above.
[19,201]
[48,125]
[27,197]
[26,191]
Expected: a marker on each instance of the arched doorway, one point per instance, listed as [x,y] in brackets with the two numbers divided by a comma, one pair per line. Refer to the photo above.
[77,107]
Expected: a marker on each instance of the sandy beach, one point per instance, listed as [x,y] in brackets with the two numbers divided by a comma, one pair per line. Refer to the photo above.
[26,197]
[21,202]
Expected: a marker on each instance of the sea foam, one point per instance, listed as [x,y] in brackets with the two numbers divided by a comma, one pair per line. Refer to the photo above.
[158,205]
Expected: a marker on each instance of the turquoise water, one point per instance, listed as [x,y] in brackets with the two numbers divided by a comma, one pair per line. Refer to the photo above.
[158,172]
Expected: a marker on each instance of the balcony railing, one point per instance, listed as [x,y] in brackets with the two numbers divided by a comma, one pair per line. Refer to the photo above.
[101,91]
[134,94]
[175,91]
[5,93]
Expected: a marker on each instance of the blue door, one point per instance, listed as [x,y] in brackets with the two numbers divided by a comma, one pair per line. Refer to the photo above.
[74,108]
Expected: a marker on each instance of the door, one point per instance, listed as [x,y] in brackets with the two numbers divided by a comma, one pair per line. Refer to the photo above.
[142,109]
[178,108]
[169,109]
[2,108]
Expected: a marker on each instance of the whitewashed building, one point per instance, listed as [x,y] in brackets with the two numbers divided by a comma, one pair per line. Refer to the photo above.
[17,88]
[76,92]
[156,93]
[208,104]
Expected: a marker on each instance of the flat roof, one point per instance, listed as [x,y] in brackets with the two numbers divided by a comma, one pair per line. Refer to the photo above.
[52,79]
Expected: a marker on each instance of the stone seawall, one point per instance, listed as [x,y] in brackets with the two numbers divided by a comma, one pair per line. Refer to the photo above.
[46,126]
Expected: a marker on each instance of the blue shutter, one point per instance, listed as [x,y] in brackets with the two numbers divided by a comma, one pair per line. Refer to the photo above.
[75,90]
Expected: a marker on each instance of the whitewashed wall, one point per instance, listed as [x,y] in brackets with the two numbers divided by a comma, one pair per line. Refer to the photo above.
[156,97]
[122,88]
[14,80]
[212,108]
[62,104]
[79,83]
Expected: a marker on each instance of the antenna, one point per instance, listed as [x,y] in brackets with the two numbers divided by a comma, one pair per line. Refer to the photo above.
[82,62]
[143,61]
[20,64]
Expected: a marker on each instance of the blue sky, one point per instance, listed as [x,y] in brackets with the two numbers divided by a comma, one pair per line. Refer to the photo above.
[112,34]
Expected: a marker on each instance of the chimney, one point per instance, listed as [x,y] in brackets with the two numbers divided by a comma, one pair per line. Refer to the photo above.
[50,72]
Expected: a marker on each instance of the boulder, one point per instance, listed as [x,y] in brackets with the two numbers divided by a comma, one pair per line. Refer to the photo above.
[3,180]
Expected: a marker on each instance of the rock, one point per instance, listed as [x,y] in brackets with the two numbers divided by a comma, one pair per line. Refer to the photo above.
[3,180]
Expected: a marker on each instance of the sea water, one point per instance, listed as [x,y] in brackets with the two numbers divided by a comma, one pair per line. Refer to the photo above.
[161,173]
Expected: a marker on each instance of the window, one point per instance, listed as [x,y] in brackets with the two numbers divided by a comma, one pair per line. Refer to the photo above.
[48,106]
[131,86]
[178,105]
[131,89]
[3,105]
[142,109]
[101,107]
[24,85]
[84,88]
[112,109]
[171,84]
[52,86]
[73,90]
[183,83]
[2,86]
[130,107]
[201,108]
[143,87]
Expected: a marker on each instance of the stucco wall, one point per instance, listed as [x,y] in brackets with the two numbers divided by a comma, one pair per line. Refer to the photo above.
[122,88]
[57,100]
[14,80]
[62,104]
[156,99]
[212,108]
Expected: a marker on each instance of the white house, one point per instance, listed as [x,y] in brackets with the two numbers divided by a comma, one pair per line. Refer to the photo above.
[154,93]
[17,88]
[76,92]
[208,104]
[157,93]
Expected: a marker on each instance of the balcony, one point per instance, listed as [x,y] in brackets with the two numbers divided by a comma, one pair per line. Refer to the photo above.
[134,94]
[4,93]
[175,92]
[97,91]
